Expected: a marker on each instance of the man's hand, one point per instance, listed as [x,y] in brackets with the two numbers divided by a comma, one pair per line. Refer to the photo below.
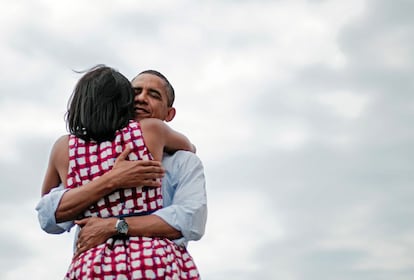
[136,172]
[124,174]
[94,231]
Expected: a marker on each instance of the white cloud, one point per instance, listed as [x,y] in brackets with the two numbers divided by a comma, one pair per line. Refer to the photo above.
[46,256]
[353,231]
[239,222]
[285,100]
[346,104]
[25,120]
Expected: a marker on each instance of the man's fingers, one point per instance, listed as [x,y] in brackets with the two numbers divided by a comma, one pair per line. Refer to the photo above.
[150,163]
[155,170]
[152,183]
[152,174]
[79,250]
[124,154]
[82,222]
[150,168]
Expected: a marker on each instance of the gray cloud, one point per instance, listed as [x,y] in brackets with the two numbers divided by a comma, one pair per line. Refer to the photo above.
[14,253]
[342,194]
[22,175]
[356,194]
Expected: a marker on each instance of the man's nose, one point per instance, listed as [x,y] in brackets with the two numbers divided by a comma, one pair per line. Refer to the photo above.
[141,98]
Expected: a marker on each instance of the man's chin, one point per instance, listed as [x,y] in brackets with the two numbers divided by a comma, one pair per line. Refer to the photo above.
[140,116]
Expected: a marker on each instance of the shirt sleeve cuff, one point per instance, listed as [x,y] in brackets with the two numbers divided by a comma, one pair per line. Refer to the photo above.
[169,215]
[46,209]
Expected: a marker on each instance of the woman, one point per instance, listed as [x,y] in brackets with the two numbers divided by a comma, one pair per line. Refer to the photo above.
[99,119]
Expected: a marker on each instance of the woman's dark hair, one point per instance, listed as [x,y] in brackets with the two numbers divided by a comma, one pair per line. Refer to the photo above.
[101,103]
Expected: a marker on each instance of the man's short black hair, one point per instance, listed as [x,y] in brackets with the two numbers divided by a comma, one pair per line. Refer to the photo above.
[169,87]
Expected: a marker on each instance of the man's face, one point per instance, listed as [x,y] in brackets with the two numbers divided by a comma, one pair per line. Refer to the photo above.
[151,100]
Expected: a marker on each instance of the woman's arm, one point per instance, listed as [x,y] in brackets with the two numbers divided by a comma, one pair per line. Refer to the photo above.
[159,137]
[56,171]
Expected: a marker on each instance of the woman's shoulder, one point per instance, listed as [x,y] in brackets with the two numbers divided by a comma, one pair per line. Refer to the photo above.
[60,147]
[62,141]
[152,123]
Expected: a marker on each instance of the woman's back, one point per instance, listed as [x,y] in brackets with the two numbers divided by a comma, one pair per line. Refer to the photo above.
[123,256]
[88,160]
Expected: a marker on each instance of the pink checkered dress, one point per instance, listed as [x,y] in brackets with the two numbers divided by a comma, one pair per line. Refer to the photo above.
[123,257]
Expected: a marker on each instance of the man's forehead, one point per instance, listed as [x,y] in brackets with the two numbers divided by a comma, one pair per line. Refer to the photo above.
[148,80]
[151,83]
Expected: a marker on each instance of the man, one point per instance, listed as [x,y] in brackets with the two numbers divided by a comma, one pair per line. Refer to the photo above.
[184,215]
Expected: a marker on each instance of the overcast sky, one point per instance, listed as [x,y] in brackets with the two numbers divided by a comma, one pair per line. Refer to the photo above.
[301,111]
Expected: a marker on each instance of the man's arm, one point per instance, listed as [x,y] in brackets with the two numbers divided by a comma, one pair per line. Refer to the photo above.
[95,231]
[185,195]
[124,174]
[61,205]
[46,212]
[183,217]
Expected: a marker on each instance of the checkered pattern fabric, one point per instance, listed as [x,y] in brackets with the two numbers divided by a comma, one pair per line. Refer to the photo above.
[123,257]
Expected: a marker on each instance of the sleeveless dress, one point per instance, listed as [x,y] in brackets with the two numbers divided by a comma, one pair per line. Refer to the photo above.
[123,257]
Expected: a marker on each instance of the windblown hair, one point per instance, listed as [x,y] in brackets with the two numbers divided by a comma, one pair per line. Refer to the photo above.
[101,103]
[168,86]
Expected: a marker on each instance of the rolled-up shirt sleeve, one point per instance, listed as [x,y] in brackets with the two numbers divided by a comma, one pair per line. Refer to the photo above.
[46,209]
[185,198]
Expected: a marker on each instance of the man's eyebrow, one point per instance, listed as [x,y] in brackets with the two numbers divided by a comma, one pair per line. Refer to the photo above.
[152,90]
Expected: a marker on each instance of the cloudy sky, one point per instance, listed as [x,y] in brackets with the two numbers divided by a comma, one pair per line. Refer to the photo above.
[301,111]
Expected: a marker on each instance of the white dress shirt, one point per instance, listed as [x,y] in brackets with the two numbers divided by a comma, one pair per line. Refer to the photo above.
[184,199]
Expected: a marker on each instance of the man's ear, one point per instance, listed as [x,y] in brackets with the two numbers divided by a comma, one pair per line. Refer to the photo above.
[170,114]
